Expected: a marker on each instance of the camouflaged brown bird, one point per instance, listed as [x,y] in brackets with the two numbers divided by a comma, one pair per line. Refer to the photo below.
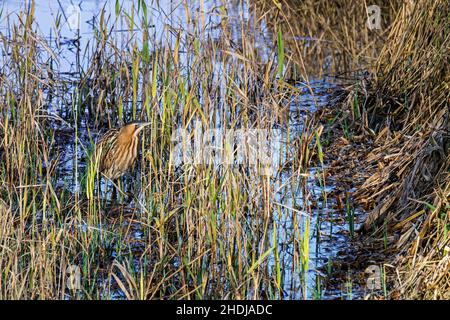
[117,149]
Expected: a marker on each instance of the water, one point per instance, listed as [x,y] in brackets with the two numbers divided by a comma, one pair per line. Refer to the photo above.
[328,229]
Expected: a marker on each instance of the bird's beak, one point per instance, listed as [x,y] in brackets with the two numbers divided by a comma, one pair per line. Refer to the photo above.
[141,126]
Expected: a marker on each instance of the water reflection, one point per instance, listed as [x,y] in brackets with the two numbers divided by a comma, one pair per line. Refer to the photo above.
[71,54]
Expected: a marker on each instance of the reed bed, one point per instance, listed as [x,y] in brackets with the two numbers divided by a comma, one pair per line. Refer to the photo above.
[333,34]
[205,229]
[187,231]
[415,71]
[398,119]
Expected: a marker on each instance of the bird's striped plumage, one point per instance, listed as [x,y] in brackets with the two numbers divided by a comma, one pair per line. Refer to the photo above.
[117,149]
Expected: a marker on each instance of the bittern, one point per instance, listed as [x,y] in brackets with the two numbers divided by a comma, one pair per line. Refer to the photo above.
[117,149]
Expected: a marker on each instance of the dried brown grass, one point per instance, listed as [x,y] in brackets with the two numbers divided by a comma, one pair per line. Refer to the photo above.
[406,119]
[327,37]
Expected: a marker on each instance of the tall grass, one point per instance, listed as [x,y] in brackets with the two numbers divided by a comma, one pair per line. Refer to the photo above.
[193,231]
[206,229]
[334,34]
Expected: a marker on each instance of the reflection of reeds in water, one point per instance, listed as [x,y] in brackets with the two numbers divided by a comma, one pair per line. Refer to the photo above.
[196,231]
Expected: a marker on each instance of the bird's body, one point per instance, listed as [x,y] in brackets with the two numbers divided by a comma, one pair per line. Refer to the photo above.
[116,150]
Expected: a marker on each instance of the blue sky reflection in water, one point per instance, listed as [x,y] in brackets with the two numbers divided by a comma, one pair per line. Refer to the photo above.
[71,42]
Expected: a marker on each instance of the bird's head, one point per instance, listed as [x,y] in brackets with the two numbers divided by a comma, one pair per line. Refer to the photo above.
[133,128]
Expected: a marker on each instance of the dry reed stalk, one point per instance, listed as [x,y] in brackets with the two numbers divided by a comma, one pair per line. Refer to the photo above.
[406,112]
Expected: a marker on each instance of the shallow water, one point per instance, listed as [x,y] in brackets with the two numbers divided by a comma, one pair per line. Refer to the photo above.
[328,229]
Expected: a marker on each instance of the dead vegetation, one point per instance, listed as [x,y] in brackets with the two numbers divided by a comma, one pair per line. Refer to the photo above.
[389,139]
[400,119]
[327,37]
